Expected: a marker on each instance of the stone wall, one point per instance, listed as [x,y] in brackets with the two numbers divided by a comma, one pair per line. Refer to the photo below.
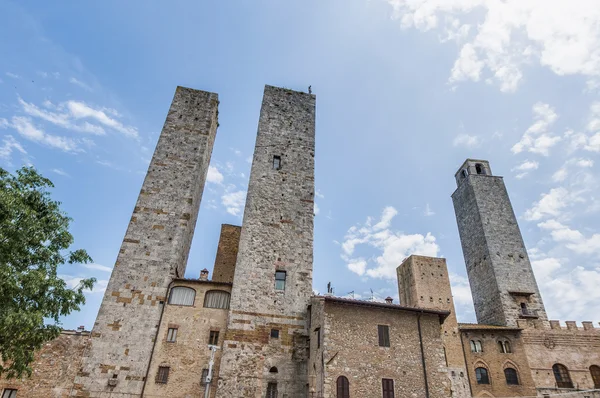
[495,361]
[227,252]
[189,354]
[277,235]
[424,282]
[154,251]
[350,348]
[497,263]
[54,368]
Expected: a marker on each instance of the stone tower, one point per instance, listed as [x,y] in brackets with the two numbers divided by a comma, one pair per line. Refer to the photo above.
[424,282]
[502,281]
[265,347]
[154,251]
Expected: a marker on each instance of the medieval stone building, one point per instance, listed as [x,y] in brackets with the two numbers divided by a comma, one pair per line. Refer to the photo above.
[256,330]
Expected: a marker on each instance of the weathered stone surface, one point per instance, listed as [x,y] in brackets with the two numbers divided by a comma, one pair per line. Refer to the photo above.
[277,235]
[154,251]
[227,252]
[497,263]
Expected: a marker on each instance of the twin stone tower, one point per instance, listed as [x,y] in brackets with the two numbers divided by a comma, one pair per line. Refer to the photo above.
[276,242]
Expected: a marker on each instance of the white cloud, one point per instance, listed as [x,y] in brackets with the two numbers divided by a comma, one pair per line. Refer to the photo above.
[214,175]
[80,110]
[80,84]
[550,204]
[61,172]
[537,139]
[25,127]
[391,246]
[465,140]
[234,202]
[13,75]
[10,144]
[428,212]
[461,290]
[318,194]
[98,267]
[525,167]
[562,36]
[316,209]
[561,174]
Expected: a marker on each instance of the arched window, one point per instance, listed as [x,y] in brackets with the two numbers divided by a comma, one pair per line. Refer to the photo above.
[216,299]
[511,376]
[561,374]
[476,346]
[182,295]
[479,169]
[504,346]
[343,387]
[595,371]
[273,370]
[482,376]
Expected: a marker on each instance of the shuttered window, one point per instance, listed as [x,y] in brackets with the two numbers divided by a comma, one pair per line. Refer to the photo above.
[172,335]
[343,387]
[163,374]
[182,296]
[9,393]
[271,390]
[217,299]
[387,386]
[561,374]
[384,335]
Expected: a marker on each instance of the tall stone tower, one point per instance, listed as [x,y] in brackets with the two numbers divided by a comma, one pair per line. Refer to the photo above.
[154,251]
[265,348]
[424,282]
[502,281]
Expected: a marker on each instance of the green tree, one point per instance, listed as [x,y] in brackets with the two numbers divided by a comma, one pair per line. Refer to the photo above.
[34,242]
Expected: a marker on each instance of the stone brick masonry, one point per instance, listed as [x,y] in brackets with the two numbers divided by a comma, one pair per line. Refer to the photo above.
[227,252]
[154,251]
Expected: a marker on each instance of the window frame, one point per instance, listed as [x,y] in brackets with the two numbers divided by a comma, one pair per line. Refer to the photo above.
[276,162]
[12,393]
[476,346]
[175,288]
[279,279]
[504,346]
[559,370]
[342,387]
[162,375]
[387,391]
[318,332]
[513,378]
[479,375]
[213,337]
[172,335]
[209,293]
[383,333]
[274,333]
[595,373]
[271,390]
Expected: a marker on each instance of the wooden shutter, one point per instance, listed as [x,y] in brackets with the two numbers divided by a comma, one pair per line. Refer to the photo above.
[384,335]
[343,387]
[388,388]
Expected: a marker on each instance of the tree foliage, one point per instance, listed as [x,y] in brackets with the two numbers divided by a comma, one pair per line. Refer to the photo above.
[34,242]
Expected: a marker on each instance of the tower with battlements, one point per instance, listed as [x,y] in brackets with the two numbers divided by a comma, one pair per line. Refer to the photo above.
[500,274]
[154,251]
[266,344]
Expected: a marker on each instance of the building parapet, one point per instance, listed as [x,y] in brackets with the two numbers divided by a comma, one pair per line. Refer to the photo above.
[556,325]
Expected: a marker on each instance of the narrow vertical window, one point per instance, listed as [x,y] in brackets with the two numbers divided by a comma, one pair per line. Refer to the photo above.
[384,335]
[481,374]
[318,332]
[511,376]
[274,333]
[595,371]
[387,386]
[343,387]
[271,390]
[476,346]
[561,374]
[172,335]
[163,374]
[213,338]
[280,280]
[276,162]
[9,393]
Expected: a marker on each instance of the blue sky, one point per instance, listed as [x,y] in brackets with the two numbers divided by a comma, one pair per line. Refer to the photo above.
[406,90]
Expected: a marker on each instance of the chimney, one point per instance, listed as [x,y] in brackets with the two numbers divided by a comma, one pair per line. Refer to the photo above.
[389,300]
[204,275]
[80,329]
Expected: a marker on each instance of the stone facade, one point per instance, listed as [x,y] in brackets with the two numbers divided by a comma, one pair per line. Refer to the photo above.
[502,282]
[227,252]
[154,251]
[345,342]
[424,282]
[277,236]
[188,355]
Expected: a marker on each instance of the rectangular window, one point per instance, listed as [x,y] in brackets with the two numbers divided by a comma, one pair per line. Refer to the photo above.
[172,335]
[213,339]
[277,162]
[280,280]
[387,386]
[272,390]
[274,333]
[9,393]
[163,374]
[384,335]
[318,332]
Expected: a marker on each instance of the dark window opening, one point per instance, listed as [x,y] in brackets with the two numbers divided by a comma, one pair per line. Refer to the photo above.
[511,376]
[464,173]
[482,376]
[172,335]
[163,374]
[273,370]
[318,332]
[271,390]
[476,346]
[479,169]
[9,393]
[343,387]
[274,333]
[277,162]
[384,335]
[561,374]
[213,338]
[595,371]
[387,387]
[280,280]
[504,346]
